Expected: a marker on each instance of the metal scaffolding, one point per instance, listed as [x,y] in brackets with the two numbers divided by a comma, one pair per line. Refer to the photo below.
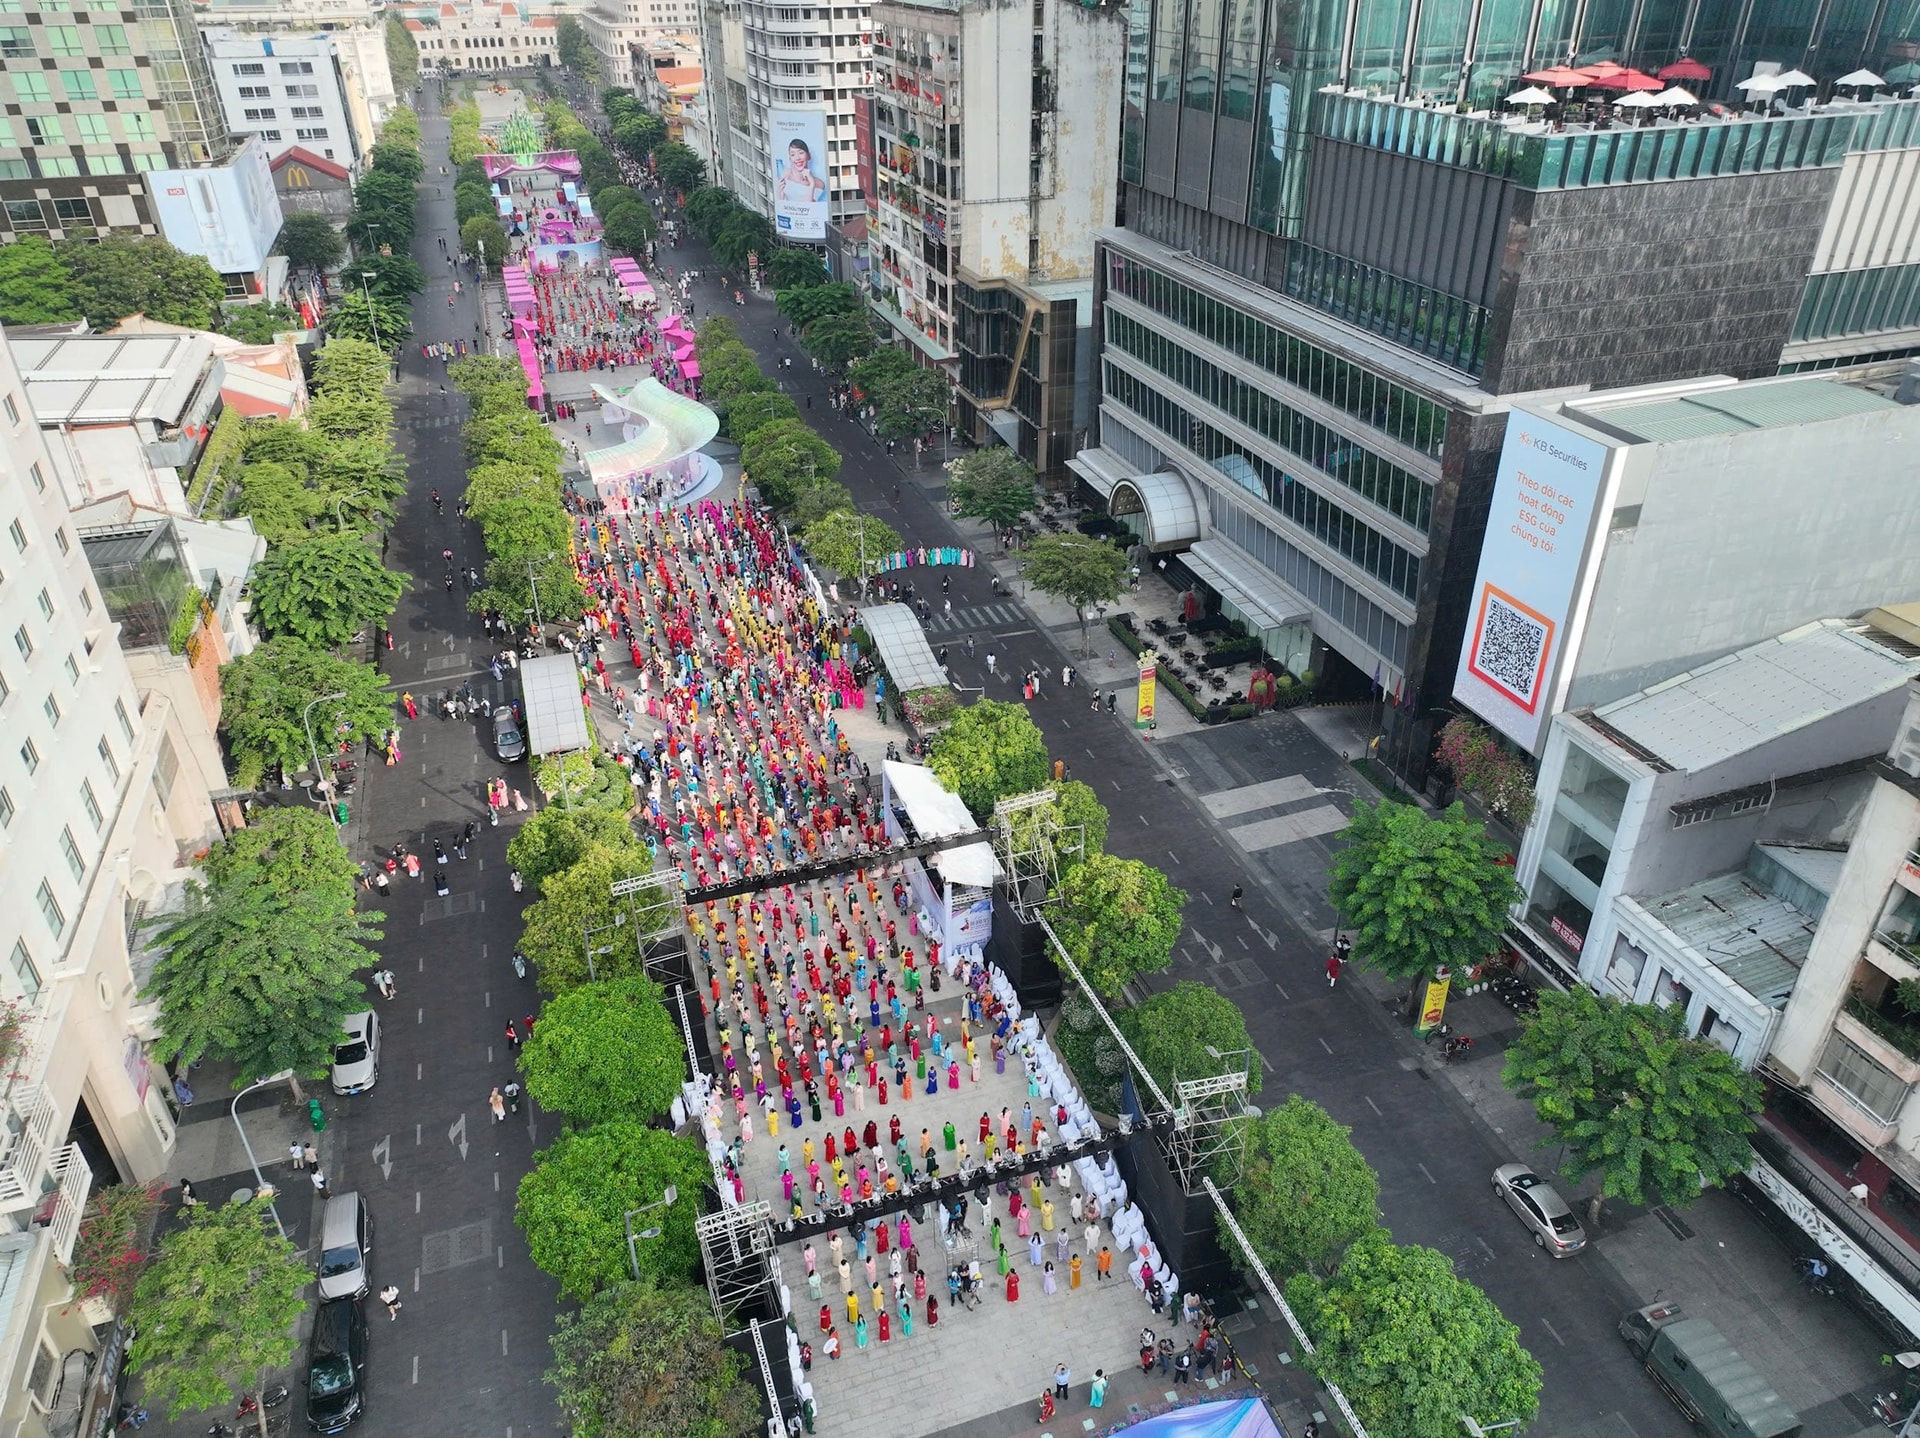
[737,1248]
[1207,1118]
[1029,840]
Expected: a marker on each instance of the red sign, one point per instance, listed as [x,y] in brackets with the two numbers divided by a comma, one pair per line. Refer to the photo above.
[863,145]
[1568,936]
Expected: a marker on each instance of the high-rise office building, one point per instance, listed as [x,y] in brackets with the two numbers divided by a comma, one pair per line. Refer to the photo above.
[359,39]
[1340,260]
[95,97]
[287,90]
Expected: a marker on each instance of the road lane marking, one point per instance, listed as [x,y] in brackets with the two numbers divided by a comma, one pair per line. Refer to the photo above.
[1374,1106]
[416,1368]
[1429,1177]
[383,1155]
[1283,991]
[416,1200]
[1327,1046]
[1556,1335]
[457,1134]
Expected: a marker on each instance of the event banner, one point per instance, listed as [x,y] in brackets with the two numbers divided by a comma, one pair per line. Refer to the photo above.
[1143,702]
[799,161]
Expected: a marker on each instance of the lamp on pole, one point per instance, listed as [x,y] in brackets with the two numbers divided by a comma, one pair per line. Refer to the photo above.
[587,935]
[654,1231]
[261,1188]
[373,317]
[338,518]
[306,722]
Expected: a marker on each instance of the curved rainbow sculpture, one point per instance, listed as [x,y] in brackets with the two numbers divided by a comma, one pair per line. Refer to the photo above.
[662,432]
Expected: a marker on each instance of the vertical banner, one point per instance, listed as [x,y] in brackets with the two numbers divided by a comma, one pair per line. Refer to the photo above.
[798,141]
[1433,1004]
[1143,703]
[863,146]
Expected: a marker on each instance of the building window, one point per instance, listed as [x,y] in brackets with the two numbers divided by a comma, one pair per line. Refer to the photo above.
[50,909]
[269,134]
[86,601]
[126,724]
[45,130]
[50,706]
[79,84]
[113,39]
[113,764]
[1874,1089]
[23,641]
[70,851]
[16,42]
[72,666]
[255,68]
[315,134]
[61,542]
[32,87]
[15,169]
[256,92]
[266,114]
[296,67]
[91,805]
[166,767]
[105,162]
[89,130]
[16,530]
[64,40]
[75,211]
[25,215]
[45,600]
[5,689]
[38,476]
[6,809]
[126,86]
[30,755]
[24,973]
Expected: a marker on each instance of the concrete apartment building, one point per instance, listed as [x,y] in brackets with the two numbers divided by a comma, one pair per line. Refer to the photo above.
[286,90]
[475,37]
[99,816]
[359,39]
[992,166]
[621,30]
[1340,266]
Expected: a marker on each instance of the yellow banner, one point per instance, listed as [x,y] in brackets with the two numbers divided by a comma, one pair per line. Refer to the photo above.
[1143,703]
[1433,1008]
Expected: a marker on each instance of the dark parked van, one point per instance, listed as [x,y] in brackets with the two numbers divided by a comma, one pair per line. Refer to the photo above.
[336,1366]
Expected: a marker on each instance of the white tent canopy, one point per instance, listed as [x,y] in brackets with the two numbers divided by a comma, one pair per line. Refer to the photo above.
[936,812]
[1793,78]
[556,719]
[903,647]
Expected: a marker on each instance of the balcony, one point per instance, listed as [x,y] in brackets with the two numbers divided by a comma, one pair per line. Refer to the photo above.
[1894,956]
[1909,874]
[61,1209]
[1893,1045]
[25,1148]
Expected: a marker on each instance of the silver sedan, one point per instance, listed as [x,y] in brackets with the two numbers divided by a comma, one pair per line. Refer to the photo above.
[1540,1207]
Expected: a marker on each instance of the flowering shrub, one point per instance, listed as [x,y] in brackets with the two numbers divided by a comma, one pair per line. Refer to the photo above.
[111,1248]
[1486,769]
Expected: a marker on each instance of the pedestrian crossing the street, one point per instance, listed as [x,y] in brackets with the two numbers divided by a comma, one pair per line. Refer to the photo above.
[975,619]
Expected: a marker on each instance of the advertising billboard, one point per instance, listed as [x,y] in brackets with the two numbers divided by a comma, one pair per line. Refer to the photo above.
[1545,499]
[227,214]
[863,147]
[801,188]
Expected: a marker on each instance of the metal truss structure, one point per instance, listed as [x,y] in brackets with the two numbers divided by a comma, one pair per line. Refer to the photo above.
[737,1249]
[1207,1117]
[1028,840]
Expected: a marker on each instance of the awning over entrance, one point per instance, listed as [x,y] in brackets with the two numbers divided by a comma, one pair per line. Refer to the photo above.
[1166,502]
[1247,585]
[1099,467]
[903,647]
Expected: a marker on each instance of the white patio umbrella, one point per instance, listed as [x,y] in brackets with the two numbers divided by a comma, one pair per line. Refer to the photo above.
[1674,95]
[1532,95]
[1861,79]
[1792,78]
[1759,84]
[1638,100]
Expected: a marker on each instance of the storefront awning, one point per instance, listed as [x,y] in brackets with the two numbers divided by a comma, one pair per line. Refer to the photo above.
[1099,467]
[1168,502]
[903,647]
[1249,586]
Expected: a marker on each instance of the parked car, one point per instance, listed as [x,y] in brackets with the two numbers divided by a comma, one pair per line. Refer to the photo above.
[356,1058]
[1540,1208]
[508,742]
[336,1366]
[346,1241]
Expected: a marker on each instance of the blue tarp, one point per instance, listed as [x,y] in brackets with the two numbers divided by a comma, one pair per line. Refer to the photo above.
[1231,1418]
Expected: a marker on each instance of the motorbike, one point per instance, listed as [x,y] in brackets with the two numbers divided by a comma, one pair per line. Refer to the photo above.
[1456,1045]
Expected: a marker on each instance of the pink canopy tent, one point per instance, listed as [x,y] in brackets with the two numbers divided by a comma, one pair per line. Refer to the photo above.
[559,162]
[690,369]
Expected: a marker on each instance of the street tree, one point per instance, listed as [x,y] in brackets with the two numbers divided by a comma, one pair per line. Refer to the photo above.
[910,404]
[805,304]
[36,287]
[1173,1030]
[290,851]
[1304,1194]
[323,590]
[575,50]
[784,457]
[816,502]
[279,501]
[630,229]
[259,324]
[574,1203]
[478,372]
[389,157]
[1118,919]
[517,437]
[403,55]
[793,265]
[393,277]
[1420,892]
[990,750]
[581,779]
[525,585]
[994,484]
[640,135]
[556,838]
[707,207]
[1658,1114]
[259,966]
[579,933]
[839,340]
[357,315]
[729,370]
[124,275]
[1077,568]
[678,167]
[353,368]
[471,198]
[264,695]
[851,544]
[1413,1345]
[214,1312]
[747,412]
[483,238]
[310,242]
[604,1052]
[645,1359]
[1078,807]
[345,416]
[742,233]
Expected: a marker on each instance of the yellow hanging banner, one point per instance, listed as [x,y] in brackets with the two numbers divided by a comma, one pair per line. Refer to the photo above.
[1143,703]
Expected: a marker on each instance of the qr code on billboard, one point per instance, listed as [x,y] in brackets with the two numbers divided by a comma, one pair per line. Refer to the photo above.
[1510,649]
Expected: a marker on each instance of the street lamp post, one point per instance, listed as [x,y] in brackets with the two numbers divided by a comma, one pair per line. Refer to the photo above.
[626,1220]
[306,721]
[373,317]
[338,518]
[261,1187]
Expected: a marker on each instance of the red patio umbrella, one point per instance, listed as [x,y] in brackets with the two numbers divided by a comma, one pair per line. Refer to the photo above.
[1685,68]
[1600,69]
[1559,76]
[1626,80]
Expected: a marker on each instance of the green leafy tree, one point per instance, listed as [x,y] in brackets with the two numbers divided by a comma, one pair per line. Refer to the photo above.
[1118,918]
[994,484]
[388,196]
[730,370]
[278,500]
[816,502]
[630,229]
[1079,807]
[1077,568]
[747,412]
[391,277]
[604,1052]
[352,368]
[403,55]
[260,966]
[323,590]
[792,266]
[258,324]
[1418,891]
[575,51]
[356,315]
[483,237]
[124,275]
[344,416]
[575,903]
[640,135]
[402,127]
[263,694]
[478,372]
[517,437]
[784,457]
[910,404]
[555,839]
[990,750]
[290,851]
[1411,1344]
[641,1359]
[1660,1115]
[1173,1030]
[511,588]
[840,340]
[310,242]
[743,232]
[1304,1194]
[808,303]
[471,198]
[707,210]
[36,287]
[389,158]
[678,167]
[850,544]
[214,1312]
[583,779]
[572,1205]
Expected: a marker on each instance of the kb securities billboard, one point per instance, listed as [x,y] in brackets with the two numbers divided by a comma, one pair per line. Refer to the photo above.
[800,175]
[1513,665]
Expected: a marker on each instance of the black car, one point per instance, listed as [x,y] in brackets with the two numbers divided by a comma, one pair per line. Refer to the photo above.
[336,1366]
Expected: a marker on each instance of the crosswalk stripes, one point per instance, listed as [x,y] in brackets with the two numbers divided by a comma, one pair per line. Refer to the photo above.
[976,618]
